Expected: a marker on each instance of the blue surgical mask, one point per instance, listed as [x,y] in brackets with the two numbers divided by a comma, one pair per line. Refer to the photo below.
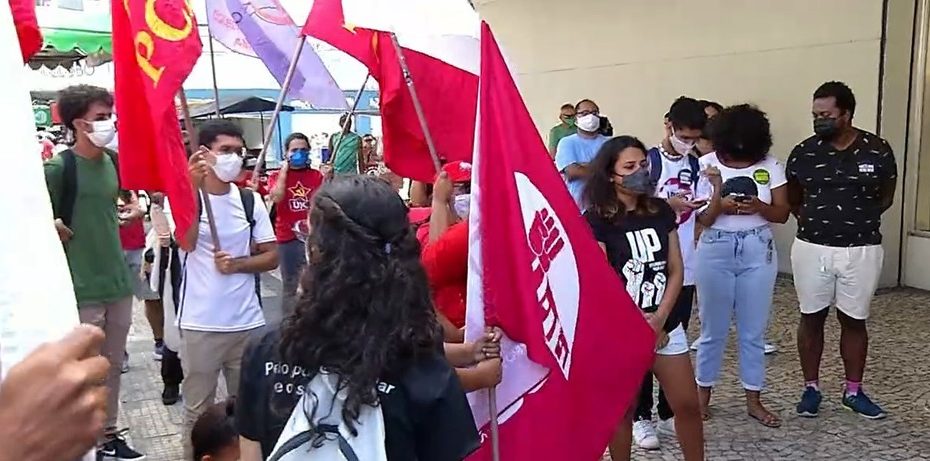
[299,158]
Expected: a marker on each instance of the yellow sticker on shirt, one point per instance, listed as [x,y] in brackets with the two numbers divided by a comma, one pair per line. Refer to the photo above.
[761,176]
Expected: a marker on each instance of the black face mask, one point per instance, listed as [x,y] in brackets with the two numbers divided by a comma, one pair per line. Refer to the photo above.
[826,128]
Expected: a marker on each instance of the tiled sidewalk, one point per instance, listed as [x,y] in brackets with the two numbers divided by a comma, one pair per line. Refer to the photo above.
[897,378]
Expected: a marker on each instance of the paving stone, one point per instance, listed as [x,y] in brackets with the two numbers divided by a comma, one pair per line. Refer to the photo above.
[896,378]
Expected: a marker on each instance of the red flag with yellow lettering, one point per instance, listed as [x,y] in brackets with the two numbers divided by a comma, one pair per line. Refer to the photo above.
[155,47]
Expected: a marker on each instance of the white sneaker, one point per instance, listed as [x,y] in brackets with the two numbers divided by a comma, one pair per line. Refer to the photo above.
[667,427]
[770,348]
[644,434]
[694,346]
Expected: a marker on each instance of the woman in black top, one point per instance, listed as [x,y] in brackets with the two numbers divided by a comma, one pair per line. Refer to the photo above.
[366,318]
[639,235]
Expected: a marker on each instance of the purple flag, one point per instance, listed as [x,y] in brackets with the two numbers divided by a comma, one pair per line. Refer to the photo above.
[273,36]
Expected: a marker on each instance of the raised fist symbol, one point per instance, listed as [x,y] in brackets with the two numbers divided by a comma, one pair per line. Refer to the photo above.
[545,240]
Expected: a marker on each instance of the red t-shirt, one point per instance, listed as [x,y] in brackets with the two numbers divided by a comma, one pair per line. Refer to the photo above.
[446,264]
[419,216]
[246,176]
[132,235]
[300,186]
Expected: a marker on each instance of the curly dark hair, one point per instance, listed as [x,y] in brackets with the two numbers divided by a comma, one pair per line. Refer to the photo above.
[74,101]
[212,129]
[294,137]
[215,429]
[600,194]
[366,310]
[742,133]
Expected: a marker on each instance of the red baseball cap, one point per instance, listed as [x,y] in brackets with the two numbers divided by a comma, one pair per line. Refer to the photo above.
[458,171]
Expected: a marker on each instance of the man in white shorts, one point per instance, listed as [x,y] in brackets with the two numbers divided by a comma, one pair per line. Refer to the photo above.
[840,181]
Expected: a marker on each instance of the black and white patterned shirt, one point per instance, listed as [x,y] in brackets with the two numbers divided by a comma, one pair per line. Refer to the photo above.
[841,204]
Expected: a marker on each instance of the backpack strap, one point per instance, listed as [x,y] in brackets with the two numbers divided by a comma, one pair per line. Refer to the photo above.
[655,164]
[321,431]
[248,205]
[115,159]
[68,187]
[695,169]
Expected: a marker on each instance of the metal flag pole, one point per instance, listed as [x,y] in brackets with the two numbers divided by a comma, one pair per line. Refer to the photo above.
[285,86]
[416,102]
[216,88]
[344,129]
[207,206]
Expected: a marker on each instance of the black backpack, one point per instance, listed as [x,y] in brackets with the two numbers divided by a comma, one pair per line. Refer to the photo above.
[69,184]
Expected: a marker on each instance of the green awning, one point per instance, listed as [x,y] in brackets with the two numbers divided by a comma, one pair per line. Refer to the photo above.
[71,36]
[86,41]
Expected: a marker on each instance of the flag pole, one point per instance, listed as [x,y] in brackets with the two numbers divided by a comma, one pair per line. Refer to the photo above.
[207,206]
[216,88]
[416,102]
[345,126]
[495,430]
[285,86]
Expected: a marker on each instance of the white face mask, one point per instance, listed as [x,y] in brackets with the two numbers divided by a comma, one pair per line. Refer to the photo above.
[681,147]
[228,167]
[589,122]
[103,132]
[461,204]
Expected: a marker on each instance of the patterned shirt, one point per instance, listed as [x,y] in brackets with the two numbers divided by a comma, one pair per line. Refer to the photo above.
[841,204]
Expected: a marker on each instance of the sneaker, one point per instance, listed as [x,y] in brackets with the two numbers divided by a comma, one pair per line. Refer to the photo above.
[667,427]
[694,346]
[159,350]
[809,406]
[124,368]
[644,434]
[116,449]
[770,348]
[863,405]
[170,395]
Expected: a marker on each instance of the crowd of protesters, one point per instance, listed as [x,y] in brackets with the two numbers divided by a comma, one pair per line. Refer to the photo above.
[370,359]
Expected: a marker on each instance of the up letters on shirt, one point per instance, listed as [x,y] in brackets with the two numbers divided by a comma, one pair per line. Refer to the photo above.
[644,244]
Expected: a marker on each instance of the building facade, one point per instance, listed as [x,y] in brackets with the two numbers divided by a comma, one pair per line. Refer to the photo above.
[634,57]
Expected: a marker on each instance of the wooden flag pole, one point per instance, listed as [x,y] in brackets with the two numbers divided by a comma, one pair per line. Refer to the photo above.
[408,78]
[285,86]
[345,126]
[207,206]
[495,429]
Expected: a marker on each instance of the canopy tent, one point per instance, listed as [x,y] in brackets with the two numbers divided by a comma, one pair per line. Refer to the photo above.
[73,35]
[234,105]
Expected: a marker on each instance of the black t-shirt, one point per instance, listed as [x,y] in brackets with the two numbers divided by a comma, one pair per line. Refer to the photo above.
[841,206]
[637,248]
[426,414]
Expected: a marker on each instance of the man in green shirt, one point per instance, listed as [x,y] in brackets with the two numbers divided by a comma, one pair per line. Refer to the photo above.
[346,159]
[89,231]
[565,127]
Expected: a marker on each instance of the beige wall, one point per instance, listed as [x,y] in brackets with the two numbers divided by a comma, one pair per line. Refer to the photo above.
[634,57]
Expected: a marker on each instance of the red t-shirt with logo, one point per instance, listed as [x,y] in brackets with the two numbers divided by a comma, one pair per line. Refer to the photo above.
[299,188]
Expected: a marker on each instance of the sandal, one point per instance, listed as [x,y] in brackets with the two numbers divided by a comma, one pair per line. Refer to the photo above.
[705,402]
[765,417]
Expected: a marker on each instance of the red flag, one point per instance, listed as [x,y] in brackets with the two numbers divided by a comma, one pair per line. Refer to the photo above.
[576,347]
[447,93]
[155,47]
[27,27]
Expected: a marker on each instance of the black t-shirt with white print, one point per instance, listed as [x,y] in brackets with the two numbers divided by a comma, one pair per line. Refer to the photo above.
[637,248]
[426,414]
[841,206]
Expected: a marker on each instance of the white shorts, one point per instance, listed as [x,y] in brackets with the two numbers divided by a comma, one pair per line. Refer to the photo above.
[677,343]
[842,276]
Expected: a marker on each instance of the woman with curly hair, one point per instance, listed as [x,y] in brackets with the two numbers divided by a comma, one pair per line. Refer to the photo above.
[364,338]
[736,258]
[639,235]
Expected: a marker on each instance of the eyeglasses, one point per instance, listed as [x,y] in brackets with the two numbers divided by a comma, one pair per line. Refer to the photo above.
[586,112]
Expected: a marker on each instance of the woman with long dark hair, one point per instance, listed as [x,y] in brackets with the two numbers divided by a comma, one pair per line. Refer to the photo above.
[639,235]
[364,338]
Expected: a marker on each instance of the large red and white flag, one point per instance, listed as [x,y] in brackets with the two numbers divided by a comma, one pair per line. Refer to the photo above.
[575,348]
[439,39]
[155,46]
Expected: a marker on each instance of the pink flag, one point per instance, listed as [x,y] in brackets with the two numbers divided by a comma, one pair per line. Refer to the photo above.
[576,348]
